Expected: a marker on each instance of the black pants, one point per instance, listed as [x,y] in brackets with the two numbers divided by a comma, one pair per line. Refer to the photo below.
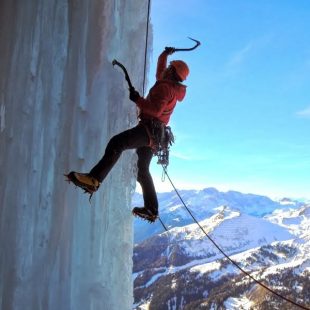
[134,138]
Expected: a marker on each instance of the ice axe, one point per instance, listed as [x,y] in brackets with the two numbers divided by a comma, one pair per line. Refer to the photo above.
[115,62]
[186,49]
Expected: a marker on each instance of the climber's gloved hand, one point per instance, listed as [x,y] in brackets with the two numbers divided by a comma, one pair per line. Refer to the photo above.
[169,50]
[133,94]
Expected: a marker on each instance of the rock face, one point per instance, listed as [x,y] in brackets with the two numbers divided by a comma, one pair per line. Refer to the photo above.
[60,102]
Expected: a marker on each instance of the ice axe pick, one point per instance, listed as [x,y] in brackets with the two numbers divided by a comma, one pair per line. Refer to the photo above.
[186,49]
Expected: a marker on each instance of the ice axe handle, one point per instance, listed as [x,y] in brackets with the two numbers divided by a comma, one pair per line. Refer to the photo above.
[115,62]
[185,49]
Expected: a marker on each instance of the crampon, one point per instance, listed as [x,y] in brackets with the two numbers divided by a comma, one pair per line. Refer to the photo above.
[89,184]
[145,214]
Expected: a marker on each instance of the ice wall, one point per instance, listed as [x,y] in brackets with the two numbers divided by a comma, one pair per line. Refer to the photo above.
[60,102]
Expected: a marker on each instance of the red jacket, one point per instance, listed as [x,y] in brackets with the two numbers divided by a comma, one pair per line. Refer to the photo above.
[162,97]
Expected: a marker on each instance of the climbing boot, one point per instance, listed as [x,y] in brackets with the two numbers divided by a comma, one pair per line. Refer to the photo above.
[84,181]
[145,214]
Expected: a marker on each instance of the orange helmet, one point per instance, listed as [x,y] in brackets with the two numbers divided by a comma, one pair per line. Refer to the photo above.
[181,68]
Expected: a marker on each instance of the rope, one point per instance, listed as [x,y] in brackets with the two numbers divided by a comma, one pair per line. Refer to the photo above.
[227,256]
[162,223]
[146,44]
[202,229]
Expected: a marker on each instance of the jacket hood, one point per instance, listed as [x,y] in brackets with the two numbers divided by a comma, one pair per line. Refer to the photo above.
[180,89]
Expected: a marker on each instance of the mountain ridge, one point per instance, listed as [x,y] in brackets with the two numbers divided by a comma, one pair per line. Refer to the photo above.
[181,268]
[203,204]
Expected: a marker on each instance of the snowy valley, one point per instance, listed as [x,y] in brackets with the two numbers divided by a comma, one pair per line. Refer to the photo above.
[182,269]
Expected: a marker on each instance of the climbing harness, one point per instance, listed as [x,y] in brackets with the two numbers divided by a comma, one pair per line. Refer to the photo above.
[166,140]
[161,138]
[227,256]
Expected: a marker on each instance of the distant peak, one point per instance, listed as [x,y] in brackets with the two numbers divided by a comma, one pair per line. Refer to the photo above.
[287,201]
[210,190]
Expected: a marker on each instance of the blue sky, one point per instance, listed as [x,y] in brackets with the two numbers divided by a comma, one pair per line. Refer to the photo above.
[245,122]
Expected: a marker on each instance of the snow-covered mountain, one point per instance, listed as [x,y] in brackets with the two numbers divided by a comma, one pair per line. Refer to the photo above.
[297,221]
[203,204]
[182,269]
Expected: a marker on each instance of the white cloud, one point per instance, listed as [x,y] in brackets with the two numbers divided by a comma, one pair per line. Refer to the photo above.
[189,157]
[165,186]
[304,113]
[180,155]
[240,55]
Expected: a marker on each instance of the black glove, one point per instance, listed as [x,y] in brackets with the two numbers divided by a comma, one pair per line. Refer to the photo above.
[169,50]
[133,95]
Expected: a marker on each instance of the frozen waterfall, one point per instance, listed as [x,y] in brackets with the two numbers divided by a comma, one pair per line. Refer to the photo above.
[60,102]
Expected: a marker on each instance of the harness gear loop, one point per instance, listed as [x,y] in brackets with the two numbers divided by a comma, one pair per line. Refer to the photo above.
[161,138]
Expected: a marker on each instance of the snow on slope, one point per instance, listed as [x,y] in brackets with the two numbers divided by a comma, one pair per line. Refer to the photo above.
[233,232]
[297,221]
[265,247]
[203,204]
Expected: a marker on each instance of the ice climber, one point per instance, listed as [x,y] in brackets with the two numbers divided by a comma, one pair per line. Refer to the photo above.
[155,112]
